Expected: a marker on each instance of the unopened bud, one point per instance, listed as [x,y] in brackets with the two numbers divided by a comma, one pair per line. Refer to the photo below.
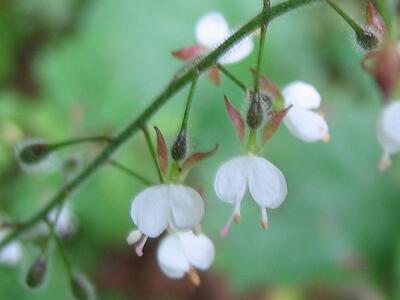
[255,114]
[82,288]
[367,39]
[37,272]
[178,151]
[34,155]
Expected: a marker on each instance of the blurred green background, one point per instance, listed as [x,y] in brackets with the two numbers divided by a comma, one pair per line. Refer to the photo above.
[77,68]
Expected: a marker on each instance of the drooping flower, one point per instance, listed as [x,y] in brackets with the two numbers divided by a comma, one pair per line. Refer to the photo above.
[388,131]
[266,184]
[211,31]
[67,222]
[184,252]
[166,205]
[12,253]
[304,123]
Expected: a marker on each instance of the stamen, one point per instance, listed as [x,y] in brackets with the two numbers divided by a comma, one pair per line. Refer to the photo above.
[194,277]
[235,216]
[264,218]
[326,138]
[385,162]
[139,248]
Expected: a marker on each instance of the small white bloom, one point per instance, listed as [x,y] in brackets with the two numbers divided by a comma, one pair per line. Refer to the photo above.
[388,130]
[166,205]
[212,30]
[67,222]
[45,163]
[301,120]
[12,253]
[266,183]
[181,253]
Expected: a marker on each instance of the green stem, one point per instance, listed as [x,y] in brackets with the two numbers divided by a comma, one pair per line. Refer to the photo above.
[60,246]
[231,77]
[95,139]
[266,7]
[152,152]
[173,87]
[357,28]
[189,104]
[130,172]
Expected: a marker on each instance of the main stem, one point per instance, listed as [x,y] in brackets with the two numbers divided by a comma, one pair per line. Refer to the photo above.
[172,88]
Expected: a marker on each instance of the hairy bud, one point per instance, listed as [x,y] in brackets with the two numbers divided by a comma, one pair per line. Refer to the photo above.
[37,272]
[179,148]
[34,155]
[82,288]
[255,114]
[367,39]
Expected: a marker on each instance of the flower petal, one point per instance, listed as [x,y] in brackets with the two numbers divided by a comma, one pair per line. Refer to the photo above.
[199,249]
[388,128]
[171,257]
[187,207]
[267,184]
[211,30]
[12,253]
[306,125]
[231,179]
[238,52]
[301,94]
[150,210]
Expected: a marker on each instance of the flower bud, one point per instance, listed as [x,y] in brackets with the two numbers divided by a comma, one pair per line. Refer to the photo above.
[82,288]
[255,114]
[367,39]
[34,155]
[178,151]
[37,272]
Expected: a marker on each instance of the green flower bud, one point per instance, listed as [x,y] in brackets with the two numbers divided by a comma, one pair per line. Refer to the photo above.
[82,289]
[255,114]
[34,155]
[367,40]
[179,148]
[37,272]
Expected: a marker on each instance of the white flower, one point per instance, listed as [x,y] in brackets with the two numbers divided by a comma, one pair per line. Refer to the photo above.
[66,223]
[181,253]
[12,253]
[301,120]
[212,30]
[388,130]
[166,205]
[266,183]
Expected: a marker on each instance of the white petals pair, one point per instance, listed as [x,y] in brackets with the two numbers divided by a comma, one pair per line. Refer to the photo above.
[301,120]
[12,253]
[266,183]
[388,131]
[166,205]
[181,253]
[212,30]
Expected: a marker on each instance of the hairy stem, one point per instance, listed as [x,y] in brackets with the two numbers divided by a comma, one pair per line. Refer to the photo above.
[172,88]
[189,104]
